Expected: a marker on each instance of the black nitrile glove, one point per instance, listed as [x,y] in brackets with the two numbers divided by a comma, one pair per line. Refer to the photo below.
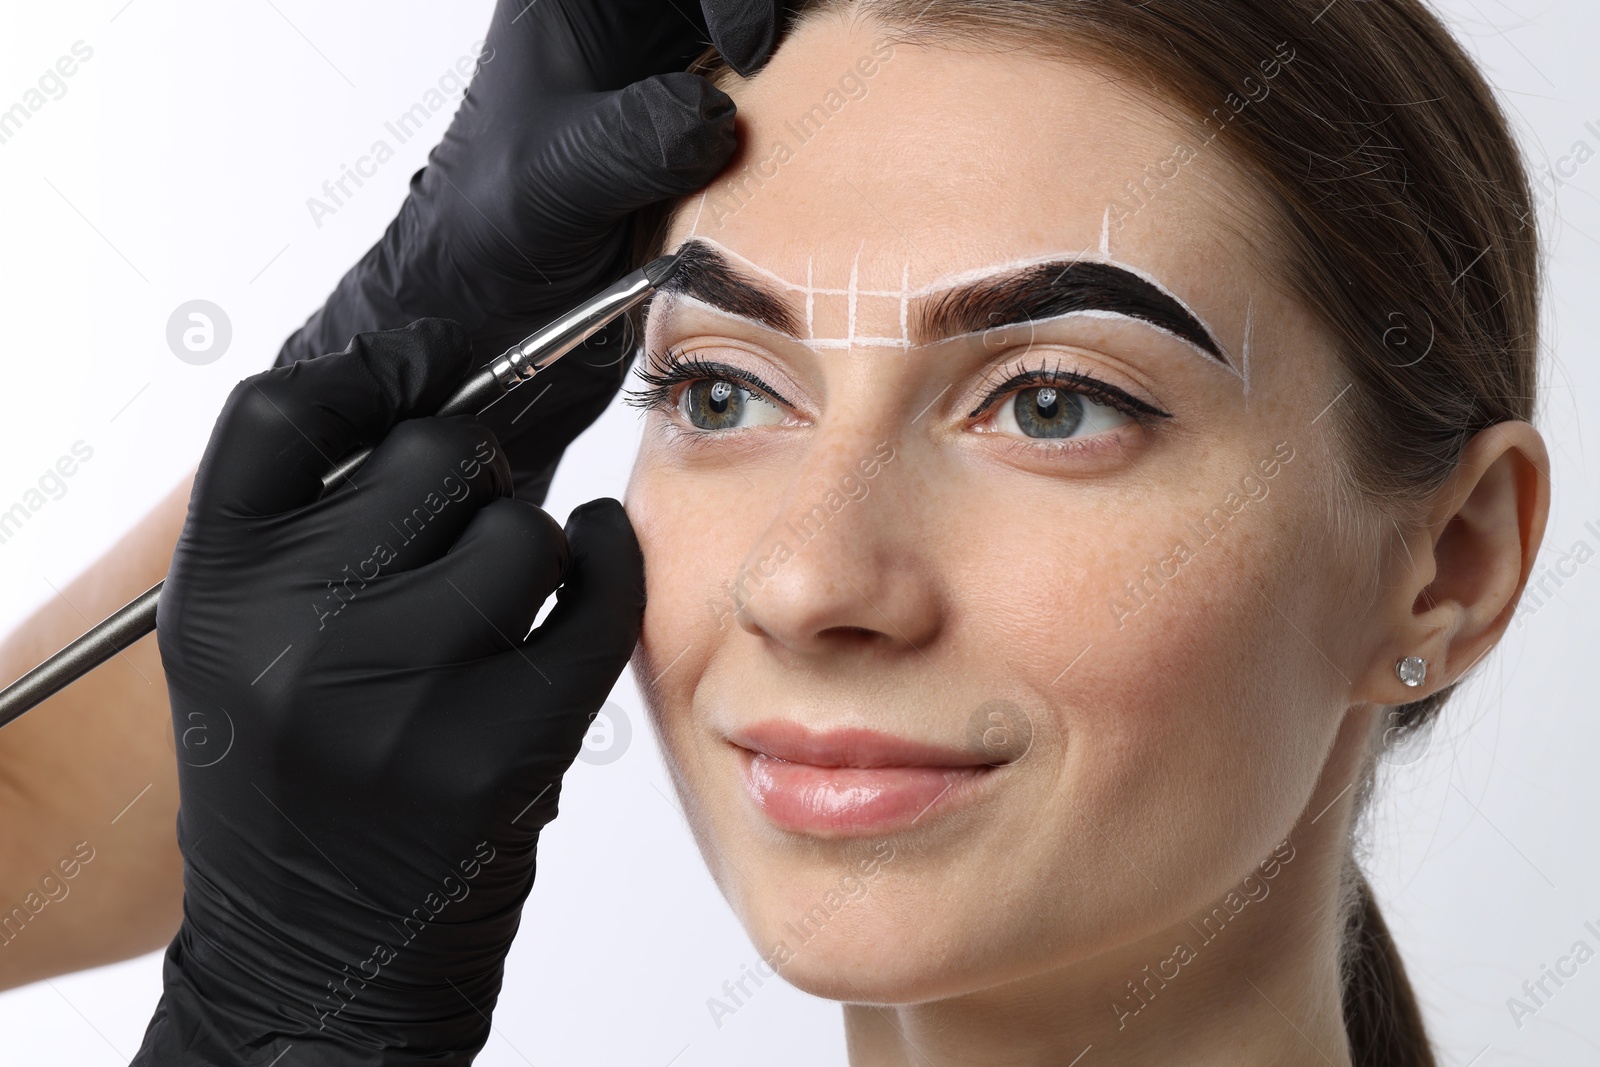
[368,743]
[579,115]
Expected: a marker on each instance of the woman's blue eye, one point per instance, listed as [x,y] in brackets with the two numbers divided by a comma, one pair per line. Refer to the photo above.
[1045,411]
[718,404]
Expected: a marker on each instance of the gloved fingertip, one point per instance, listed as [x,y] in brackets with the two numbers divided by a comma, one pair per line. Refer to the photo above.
[603,515]
[599,505]
[744,31]
[688,124]
[600,608]
[600,530]
[717,106]
[558,537]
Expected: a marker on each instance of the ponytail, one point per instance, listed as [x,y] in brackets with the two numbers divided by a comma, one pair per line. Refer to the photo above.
[1381,1017]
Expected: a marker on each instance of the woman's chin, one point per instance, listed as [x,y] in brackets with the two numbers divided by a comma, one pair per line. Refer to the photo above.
[887,952]
[863,971]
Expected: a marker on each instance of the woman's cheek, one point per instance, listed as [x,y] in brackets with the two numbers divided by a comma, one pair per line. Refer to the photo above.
[691,546]
[653,521]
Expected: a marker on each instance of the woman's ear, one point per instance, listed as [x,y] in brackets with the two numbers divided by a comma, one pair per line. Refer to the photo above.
[1459,575]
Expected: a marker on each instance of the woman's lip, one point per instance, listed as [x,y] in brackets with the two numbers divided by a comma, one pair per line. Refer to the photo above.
[844,801]
[849,747]
[850,780]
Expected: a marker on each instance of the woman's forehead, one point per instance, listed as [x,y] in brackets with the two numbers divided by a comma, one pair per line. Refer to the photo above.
[869,170]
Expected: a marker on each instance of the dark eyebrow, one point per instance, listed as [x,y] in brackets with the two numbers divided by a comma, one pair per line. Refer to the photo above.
[706,274]
[1031,293]
[1045,290]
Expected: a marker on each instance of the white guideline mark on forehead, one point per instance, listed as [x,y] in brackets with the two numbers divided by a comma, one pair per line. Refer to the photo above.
[700,205]
[905,301]
[811,297]
[855,295]
[905,294]
[1105,234]
[852,292]
[1244,351]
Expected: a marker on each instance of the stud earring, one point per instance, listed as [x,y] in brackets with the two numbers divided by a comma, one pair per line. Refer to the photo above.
[1412,670]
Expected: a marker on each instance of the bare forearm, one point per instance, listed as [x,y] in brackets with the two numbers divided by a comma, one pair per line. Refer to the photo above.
[89,864]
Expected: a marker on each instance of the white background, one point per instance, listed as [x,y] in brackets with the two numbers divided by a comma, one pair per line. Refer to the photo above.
[177,166]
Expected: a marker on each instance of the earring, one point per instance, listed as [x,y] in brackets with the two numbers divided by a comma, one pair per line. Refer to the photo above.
[1412,670]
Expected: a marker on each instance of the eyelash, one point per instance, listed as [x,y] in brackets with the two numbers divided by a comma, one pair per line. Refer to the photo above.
[664,372]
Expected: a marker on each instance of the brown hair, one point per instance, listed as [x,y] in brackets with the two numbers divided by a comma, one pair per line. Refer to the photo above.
[1409,233]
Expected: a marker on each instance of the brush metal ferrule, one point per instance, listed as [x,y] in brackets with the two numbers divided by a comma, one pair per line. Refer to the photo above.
[522,361]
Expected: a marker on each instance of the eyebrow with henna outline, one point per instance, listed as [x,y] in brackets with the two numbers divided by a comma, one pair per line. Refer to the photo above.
[1027,293]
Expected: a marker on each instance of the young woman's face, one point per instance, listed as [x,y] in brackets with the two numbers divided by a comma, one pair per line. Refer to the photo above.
[999,614]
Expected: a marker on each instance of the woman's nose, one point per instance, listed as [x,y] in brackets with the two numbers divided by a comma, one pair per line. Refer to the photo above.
[840,564]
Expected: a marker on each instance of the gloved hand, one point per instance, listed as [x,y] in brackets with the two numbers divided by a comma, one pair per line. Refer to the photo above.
[370,744]
[579,115]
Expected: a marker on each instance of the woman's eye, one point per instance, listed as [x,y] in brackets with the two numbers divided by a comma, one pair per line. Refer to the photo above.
[718,404]
[1045,411]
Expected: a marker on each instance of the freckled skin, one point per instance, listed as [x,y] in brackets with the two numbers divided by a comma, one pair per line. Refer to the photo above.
[1197,727]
